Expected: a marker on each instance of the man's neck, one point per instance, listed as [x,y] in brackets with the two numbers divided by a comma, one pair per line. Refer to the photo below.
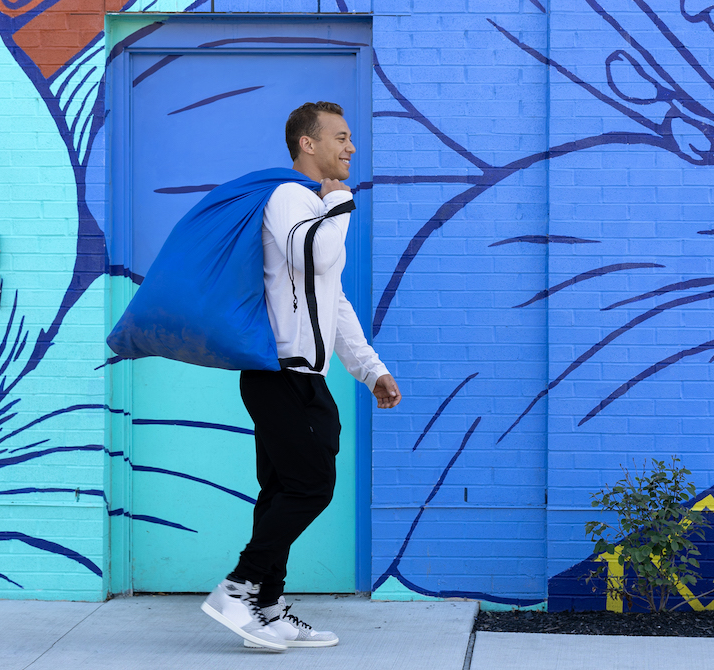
[308,170]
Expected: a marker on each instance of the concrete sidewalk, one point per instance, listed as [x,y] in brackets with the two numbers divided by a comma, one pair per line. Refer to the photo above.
[170,632]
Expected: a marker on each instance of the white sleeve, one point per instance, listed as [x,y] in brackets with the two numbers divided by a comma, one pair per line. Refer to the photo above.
[292,203]
[352,348]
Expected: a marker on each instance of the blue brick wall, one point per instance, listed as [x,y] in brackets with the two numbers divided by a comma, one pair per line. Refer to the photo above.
[541,187]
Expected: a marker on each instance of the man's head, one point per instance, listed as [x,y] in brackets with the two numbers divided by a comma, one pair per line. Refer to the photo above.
[319,140]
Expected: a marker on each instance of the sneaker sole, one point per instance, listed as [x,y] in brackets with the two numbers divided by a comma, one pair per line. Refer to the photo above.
[247,637]
[296,643]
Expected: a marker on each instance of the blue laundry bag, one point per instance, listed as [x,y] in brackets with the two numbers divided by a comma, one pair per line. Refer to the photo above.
[203,299]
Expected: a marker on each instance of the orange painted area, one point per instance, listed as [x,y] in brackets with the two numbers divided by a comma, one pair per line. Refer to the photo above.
[21,10]
[61,31]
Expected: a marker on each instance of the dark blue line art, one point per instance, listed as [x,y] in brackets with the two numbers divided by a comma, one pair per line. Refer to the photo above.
[15,23]
[544,239]
[166,60]
[442,407]
[682,50]
[377,179]
[635,116]
[398,115]
[66,410]
[183,475]
[705,232]
[121,271]
[603,343]
[679,286]
[29,446]
[363,186]
[417,116]
[584,276]
[653,369]
[215,98]
[90,239]
[393,569]
[85,271]
[177,190]
[52,547]
[342,6]
[112,360]
[195,5]
[192,424]
[77,88]
[7,579]
[618,56]
[81,109]
[150,519]
[670,96]
[149,6]
[490,178]
[140,34]
[704,16]
[9,406]
[77,492]
[428,179]
[79,59]
[14,460]
[15,4]
[280,39]
[8,417]
[14,351]
[537,4]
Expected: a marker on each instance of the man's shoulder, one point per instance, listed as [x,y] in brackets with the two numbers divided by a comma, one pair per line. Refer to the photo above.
[293,196]
[292,189]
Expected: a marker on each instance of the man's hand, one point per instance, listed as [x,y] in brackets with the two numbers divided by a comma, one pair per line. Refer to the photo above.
[387,392]
[329,185]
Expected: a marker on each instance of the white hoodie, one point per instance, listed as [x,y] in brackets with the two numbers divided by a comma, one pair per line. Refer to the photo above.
[341,332]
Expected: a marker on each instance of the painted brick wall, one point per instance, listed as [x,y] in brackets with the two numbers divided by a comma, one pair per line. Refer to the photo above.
[52,439]
[517,284]
[542,197]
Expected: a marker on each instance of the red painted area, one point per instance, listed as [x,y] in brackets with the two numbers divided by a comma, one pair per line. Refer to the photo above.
[55,36]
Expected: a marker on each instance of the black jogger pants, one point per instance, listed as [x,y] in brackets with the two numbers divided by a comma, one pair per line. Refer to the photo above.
[297,432]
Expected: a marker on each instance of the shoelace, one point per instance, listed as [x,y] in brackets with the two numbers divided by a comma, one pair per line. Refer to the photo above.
[257,611]
[294,619]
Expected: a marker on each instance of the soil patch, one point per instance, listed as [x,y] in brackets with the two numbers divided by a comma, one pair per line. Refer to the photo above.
[674,624]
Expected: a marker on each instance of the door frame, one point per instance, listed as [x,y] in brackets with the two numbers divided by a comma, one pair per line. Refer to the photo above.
[118,167]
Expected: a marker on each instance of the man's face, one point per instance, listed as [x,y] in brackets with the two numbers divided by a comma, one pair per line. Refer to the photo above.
[334,148]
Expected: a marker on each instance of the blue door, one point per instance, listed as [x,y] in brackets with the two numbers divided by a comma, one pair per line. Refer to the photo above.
[201,102]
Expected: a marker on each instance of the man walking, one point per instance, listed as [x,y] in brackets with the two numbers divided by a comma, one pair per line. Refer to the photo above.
[296,420]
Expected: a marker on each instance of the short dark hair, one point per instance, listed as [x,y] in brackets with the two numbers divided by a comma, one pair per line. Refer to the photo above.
[304,121]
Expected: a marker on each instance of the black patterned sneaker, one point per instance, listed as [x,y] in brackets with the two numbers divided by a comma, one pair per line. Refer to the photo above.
[292,631]
[235,606]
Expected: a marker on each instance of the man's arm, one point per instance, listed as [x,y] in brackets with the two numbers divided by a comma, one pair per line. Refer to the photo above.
[360,360]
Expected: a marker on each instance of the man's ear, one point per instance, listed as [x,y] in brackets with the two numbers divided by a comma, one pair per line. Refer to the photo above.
[307,144]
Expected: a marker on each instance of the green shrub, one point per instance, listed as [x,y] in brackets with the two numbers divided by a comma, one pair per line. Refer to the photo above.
[652,535]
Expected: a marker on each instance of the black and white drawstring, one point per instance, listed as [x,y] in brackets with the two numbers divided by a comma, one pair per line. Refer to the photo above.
[290,256]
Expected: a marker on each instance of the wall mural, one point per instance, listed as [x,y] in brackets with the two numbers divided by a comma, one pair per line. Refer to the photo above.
[652,107]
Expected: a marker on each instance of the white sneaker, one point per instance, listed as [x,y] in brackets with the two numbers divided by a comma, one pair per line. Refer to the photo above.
[292,631]
[235,606]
